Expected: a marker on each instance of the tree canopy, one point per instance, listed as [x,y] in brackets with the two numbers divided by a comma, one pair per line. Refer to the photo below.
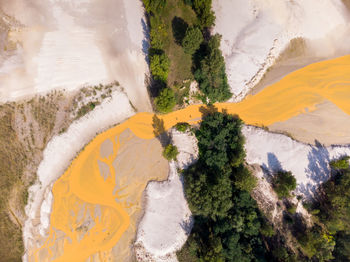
[227,220]
[165,101]
[211,74]
[284,183]
[192,40]
[159,65]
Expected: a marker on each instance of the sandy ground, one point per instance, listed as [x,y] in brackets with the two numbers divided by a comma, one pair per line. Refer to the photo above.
[107,232]
[57,156]
[69,44]
[255,32]
[327,124]
[274,152]
[167,221]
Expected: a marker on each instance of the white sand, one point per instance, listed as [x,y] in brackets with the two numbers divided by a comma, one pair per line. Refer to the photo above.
[255,32]
[59,153]
[66,44]
[167,221]
[309,164]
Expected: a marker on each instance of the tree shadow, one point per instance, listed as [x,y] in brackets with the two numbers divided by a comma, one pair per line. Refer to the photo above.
[179,27]
[273,166]
[208,110]
[145,40]
[159,130]
[318,168]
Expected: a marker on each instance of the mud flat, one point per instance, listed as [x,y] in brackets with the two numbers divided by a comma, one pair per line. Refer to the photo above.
[70,44]
[327,125]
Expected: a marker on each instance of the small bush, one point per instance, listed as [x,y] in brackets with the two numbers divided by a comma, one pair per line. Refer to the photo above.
[165,102]
[170,152]
[244,179]
[292,209]
[284,183]
[192,40]
[182,127]
[267,230]
[342,163]
[159,64]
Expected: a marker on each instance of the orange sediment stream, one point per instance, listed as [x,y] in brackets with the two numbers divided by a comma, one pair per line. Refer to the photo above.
[82,187]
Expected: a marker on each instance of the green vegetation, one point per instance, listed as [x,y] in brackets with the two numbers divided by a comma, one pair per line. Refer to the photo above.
[165,102]
[154,6]
[179,53]
[170,152]
[210,72]
[227,221]
[86,109]
[192,40]
[159,65]
[182,127]
[342,163]
[284,183]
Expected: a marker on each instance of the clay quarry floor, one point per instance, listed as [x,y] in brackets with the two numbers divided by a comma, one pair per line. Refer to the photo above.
[97,202]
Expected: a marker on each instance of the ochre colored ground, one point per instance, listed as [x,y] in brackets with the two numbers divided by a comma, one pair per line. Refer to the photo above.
[82,187]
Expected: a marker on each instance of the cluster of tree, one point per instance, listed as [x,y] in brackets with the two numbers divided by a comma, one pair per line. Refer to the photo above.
[203,10]
[208,66]
[227,220]
[333,208]
[210,71]
[159,61]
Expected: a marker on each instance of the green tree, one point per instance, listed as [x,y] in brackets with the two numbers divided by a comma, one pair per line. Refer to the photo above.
[220,141]
[154,6]
[208,194]
[159,65]
[284,183]
[170,152]
[165,102]
[192,40]
[211,74]
[342,163]
[205,14]
[244,179]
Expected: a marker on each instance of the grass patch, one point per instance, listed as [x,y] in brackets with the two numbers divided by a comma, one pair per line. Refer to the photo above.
[177,17]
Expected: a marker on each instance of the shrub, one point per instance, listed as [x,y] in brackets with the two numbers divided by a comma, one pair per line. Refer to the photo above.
[267,230]
[342,163]
[170,152]
[182,127]
[192,40]
[159,64]
[284,182]
[165,102]
[244,179]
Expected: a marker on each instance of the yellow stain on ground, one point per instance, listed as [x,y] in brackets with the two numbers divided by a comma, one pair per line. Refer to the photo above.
[82,187]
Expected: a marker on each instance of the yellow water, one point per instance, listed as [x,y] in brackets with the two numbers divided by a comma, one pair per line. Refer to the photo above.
[82,187]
